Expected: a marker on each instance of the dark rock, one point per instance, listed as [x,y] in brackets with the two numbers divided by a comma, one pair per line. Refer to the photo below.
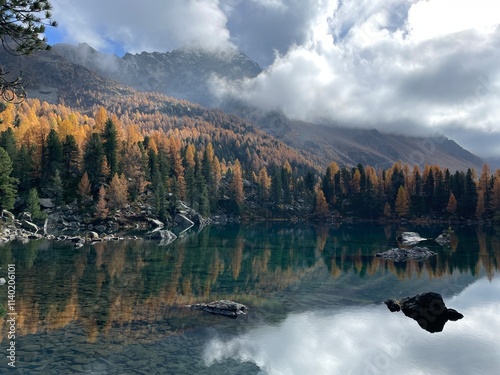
[427,309]
[46,203]
[223,307]
[392,305]
[401,255]
[454,315]
[25,216]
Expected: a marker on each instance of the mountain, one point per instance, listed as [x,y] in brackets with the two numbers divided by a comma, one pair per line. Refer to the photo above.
[349,146]
[83,77]
[183,73]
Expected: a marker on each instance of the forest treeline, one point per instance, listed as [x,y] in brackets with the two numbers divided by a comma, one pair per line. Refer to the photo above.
[110,158]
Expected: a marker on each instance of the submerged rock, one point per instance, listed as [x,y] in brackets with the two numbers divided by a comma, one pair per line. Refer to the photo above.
[223,307]
[401,255]
[410,238]
[427,309]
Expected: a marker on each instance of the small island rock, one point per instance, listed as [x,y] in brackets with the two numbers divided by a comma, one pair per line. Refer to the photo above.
[223,307]
[427,309]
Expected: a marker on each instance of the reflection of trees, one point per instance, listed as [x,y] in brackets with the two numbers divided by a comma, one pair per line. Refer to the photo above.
[343,255]
[127,286]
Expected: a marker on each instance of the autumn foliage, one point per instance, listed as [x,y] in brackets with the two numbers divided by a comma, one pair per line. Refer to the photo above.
[135,151]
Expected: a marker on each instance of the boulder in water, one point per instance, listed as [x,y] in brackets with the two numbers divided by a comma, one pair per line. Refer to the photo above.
[223,307]
[427,309]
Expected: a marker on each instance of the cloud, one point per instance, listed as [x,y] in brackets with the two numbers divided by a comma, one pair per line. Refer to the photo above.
[371,340]
[414,66]
[147,25]
[379,63]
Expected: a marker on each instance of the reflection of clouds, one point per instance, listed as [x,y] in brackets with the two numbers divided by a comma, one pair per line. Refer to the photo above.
[371,340]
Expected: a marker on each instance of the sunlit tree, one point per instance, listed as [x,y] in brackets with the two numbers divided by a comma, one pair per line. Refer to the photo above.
[22,28]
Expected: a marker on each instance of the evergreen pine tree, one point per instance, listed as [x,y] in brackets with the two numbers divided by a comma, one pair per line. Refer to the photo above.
[70,173]
[93,159]
[110,146]
[23,170]
[8,143]
[54,158]
[7,182]
[33,205]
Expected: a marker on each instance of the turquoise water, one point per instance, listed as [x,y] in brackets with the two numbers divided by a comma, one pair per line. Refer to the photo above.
[314,296]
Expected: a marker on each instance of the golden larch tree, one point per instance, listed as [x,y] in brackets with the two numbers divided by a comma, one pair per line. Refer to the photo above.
[117,192]
[321,207]
[402,204]
[236,186]
[452,204]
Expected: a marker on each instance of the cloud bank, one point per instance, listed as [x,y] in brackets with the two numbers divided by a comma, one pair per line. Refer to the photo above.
[390,65]
[411,66]
[147,25]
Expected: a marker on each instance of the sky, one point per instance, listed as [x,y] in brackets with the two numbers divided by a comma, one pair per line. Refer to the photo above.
[418,67]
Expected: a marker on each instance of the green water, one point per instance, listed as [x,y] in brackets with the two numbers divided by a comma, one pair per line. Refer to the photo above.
[314,296]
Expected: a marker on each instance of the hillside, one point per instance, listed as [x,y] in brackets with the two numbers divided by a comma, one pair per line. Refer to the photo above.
[350,146]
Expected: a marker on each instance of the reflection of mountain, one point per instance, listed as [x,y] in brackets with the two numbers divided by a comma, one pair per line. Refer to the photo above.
[122,290]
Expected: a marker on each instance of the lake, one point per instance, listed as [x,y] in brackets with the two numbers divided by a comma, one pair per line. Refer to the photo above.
[314,296]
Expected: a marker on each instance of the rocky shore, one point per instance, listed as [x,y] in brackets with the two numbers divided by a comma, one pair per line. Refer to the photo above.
[69,224]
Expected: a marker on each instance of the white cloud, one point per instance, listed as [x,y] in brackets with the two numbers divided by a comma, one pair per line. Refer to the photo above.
[371,340]
[147,25]
[431,19]
[366,63]
[380,63]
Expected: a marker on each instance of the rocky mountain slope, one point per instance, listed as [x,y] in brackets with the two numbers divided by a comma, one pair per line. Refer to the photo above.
[349,146]
[182,73]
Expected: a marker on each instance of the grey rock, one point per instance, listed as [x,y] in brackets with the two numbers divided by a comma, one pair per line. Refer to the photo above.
[25,216]
[2,281]
[392,305]
[93,235]
[9,215]
[444,239]
[410,238]
[223,307]
[46,203]
[402,255]
[29,226]
[155,222]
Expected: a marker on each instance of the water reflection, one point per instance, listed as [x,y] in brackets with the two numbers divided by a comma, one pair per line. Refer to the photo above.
[363,341]
[117,286]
